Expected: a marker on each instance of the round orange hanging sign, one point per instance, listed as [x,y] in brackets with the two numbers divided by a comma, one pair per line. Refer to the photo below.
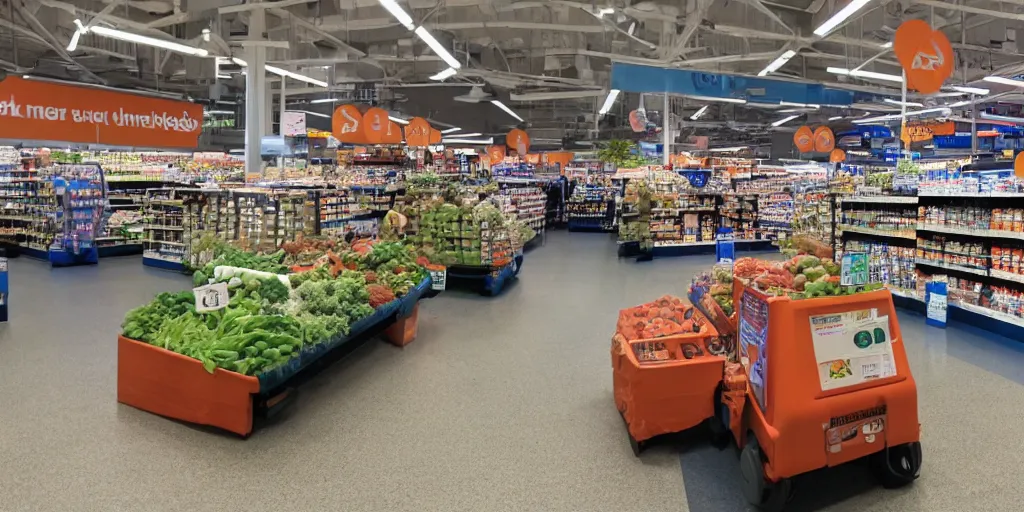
[925,55]
[804,139]
[417,132]
[497,154]
[837,155]
[519,141]
[1018,165]
[346,123]
[824,140]
[376,125]
[435,136]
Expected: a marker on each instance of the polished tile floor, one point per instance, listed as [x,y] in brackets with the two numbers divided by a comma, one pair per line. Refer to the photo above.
[502,404]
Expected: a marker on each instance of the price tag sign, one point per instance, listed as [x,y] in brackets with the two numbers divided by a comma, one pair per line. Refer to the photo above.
[854,269]
[438,278]
[936,303]
[211,297]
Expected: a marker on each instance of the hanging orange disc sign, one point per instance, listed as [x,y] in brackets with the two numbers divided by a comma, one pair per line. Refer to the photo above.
[376,125]
[925,55]
[1018,165]
[837,155]
[824,140]
[496,153]
[435,136]
[519,141]
[804,139]
[346,124]
[417,132]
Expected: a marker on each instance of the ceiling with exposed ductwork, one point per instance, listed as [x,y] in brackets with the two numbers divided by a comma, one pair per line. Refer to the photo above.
[548,60]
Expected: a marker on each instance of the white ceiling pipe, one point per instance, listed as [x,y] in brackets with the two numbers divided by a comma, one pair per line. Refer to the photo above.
[972,10]
[562,95]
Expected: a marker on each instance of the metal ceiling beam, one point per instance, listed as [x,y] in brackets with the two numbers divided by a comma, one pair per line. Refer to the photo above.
[973,10]
[760,6]
[341,45]
[587,6]
[53,42]
[690,27]
[519,25]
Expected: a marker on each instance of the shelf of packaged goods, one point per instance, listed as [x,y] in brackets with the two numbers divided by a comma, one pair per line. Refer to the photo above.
[156,227]
[682,244]
[987,233]
[954,194]
[533,219]
[881,199]
[1006,276]
[950,266]
[878,232]
[165,242]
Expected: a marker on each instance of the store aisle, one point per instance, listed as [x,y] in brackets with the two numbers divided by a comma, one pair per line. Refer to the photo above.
[501,404]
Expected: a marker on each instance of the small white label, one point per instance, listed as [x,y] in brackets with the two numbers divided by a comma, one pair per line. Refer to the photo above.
[3,264]
[437,279]
[211,297]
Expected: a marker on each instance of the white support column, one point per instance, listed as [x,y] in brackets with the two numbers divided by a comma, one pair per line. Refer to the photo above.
[268,108]
[974,125]
[284,94]
[255,94]
[666,132]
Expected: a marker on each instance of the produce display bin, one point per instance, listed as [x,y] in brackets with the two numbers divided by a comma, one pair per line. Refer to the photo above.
[668,395]
[176,386]
[827,382]
[490,281]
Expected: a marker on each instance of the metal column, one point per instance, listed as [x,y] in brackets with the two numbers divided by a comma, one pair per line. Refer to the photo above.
[666,132]
[280,122]
[255,94]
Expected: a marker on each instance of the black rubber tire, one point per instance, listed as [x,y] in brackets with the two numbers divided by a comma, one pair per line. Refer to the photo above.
[766,496]
[902,467]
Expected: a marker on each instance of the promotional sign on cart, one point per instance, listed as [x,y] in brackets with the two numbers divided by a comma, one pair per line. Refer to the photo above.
[852,348]
[753,342]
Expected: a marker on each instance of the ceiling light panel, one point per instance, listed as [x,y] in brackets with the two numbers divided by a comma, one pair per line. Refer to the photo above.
[839,17]
[780,61]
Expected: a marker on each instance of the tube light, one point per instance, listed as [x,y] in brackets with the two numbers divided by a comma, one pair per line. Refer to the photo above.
[1004,81]
[876,119]
[222,76]
[398,120]
[399,13]
[451,130]
[605,10]
[774,65]
[218,112]
[790,110]
[959,104]
[1008,119]
[148,41]
[317,114]
[860,73]
[699,113]
[835,118]
[507,110]
[712,98]
[970,90]
[804,105]
[784,120]
[466,135]
[727,150]
[325,100]
[903,103]
[436,46]
[73,45]
[609,101]
[291,74]
[444,75]
[482,142]
[839,17]
[886,45]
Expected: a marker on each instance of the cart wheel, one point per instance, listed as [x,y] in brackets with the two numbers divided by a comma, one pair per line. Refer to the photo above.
[637,446]
[716,424]
[897,466]
[767,496]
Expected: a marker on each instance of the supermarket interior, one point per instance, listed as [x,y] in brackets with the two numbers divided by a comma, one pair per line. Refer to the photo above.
[487,255]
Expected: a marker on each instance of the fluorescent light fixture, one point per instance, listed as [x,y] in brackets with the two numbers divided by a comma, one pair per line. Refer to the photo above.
[609,101]
[605,10]
[1004,81]
[903,103]
[892,117]
[444,75]
[784,120]
[959,104]
[696,115]
[482,142]
[398,120]
[466,135]
[223,76]
[839,17]
[451,130]
[886,45]
[73,45]
[727,150]
[507,110]
[835,118]
[399,13]
[867,120]
[780,61]
[291,74]
[317,114]
[325,100]
[148,41]
[1008,119]
[970,90]
[860,73]
[928,111]
[804,105]
[790,110]
[712,98]
[438,49]
[239,62]
[219,112]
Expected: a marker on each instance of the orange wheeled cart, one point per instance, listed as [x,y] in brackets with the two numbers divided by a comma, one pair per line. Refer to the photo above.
[826,382]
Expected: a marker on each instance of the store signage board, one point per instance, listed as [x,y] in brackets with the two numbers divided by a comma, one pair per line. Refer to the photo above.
[438,278]
[37,110]
[854,269]
[936,302]
[293,124]
[211,297]
[753,342]
[851,348]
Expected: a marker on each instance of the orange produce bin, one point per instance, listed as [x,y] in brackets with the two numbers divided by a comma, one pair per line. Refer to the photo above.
[170,384]
[669,395]
[827,382]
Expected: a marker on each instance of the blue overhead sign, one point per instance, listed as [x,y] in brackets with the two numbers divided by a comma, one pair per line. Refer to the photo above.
[638,78]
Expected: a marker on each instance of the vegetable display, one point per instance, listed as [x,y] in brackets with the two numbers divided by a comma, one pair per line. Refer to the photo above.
[666,316]
[802,277]
[270,316]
